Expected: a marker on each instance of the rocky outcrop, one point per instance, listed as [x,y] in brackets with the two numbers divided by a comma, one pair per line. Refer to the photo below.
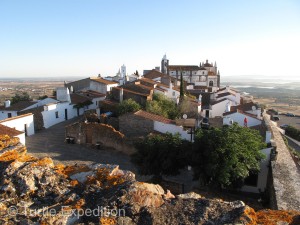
[35,191]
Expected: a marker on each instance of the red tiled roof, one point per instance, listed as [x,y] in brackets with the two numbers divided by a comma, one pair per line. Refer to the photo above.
[134,92]
[183,67]
[103,81]
[76,98]
[18,106]
[153,74]
[4,130]
[109,102]
[16,117]
[244,107]
[154,117]
[241,112]
[224,94]
[200,87]
[216,102]
[148,80]
[160,89]
[91,94]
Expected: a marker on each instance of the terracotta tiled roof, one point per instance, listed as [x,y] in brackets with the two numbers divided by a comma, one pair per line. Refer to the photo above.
[200,87]
[133,92]
[154,117]
[153,74]
[241,112]
[148,80]
[91,94]
[224,94]
[109,102]
[160,89]
[18,106]
[183,67]
[76,98]
[138,88]
[216,102]
[103,81]
[4,130]
[15,117]
[244,107]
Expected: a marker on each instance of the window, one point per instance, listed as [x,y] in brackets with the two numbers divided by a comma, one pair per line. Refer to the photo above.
[56,114]
[173,93]
[211,83]
[8,115]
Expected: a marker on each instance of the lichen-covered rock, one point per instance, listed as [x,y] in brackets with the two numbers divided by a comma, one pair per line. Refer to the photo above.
[35,191]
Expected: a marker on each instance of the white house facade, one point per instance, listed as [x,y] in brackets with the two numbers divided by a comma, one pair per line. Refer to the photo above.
[23,123]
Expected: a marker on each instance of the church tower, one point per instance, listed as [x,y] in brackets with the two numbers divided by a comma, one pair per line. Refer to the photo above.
[164,64]
[123,71]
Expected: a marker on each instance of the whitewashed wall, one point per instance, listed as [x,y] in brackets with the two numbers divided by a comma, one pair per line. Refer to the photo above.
[4,114]
[49,115]
[20,122]
[173,129]
[262,176]
[22,138]
[218,109]
[100,87]
[239,118]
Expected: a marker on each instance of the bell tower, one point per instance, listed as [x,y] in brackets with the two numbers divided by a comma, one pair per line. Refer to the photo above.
[164,64]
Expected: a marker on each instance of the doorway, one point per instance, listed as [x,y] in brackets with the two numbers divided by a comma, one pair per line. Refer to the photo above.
[207,113]
[66,114]
[25,130]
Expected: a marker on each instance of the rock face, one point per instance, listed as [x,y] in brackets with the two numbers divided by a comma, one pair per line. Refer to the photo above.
[35,191]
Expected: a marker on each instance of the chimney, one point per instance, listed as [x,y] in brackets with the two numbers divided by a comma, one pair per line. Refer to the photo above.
[121,95]
[7,103]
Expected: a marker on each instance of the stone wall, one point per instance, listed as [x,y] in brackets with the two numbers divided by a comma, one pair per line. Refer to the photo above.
[285,177]
[37,117]
[135,126]
[98,133]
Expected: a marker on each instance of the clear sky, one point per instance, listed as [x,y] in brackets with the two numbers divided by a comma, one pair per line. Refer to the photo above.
[87,37]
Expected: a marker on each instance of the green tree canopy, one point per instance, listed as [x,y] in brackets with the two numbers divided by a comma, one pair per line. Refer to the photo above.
[127,106]
[161,155]
[163,106]
[24,96]
[225,156]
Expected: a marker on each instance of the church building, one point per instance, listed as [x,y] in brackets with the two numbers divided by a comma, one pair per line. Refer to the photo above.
[205,76]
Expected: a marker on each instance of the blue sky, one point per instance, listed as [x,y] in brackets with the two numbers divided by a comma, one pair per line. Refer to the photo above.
[88,37]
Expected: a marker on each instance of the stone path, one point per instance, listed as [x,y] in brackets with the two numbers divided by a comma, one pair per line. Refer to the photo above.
[51,142]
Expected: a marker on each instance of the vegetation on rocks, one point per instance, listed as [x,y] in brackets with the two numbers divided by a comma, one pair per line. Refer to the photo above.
[293,132]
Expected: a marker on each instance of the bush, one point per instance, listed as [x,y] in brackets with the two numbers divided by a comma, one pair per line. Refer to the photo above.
[128,106]
[163,106]
[293,132]
[161,155]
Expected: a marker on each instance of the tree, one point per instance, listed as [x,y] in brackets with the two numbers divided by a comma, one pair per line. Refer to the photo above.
[181,86]
[127,106]
[163,106]
[226,156]
[161,155]
[43,97]
[24,96]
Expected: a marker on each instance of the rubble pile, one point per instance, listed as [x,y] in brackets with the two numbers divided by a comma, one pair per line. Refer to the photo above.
[35,191]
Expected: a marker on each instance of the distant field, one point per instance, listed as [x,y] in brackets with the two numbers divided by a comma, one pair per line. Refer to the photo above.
[34,88]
